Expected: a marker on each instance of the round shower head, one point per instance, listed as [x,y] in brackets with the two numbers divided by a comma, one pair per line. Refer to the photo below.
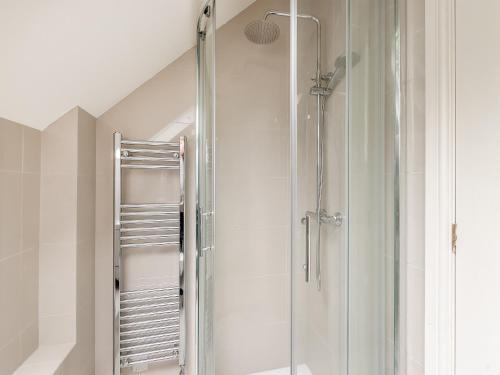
[262,32]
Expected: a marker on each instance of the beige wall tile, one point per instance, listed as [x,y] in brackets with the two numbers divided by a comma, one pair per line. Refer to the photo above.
[86,208]
[59,145]
[415,15]
[238,349]
[416,55]
[150,107]
[10,353]
[256,251]
[58,231]
[10,298]
[77,362]
[86,143]
[30,211]
[19,228]
[85,275]
[57,287]
[415,317]
[67,238]
[10,214]
[31,150]
[29,339]
[11,145]
[58,203]
[57,329]
[415,194]
[29,289]
[415,126]
[415,246]
[83,354]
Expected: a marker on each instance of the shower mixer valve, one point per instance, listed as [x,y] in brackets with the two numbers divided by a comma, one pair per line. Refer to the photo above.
[337,218]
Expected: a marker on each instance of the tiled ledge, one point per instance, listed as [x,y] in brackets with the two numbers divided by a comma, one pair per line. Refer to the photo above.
[46,360]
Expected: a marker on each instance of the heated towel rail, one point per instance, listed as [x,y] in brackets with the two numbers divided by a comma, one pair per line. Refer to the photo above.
[149,324]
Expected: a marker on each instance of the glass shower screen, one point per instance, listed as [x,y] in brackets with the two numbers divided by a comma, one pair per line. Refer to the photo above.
[345,168]
[303,278]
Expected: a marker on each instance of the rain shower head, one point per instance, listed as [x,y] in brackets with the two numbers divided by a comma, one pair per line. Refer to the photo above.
[262,31]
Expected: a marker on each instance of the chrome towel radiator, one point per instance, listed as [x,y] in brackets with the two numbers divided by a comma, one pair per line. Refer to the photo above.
[149,324]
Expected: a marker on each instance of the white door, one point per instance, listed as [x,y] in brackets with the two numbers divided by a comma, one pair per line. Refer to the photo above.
[478,187]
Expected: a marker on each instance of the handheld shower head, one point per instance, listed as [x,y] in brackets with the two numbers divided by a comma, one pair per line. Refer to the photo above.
[262,32]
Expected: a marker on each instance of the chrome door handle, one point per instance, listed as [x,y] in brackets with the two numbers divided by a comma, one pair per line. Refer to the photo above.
[307,265]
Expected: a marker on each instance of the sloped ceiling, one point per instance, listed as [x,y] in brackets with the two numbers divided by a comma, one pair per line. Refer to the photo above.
[57,54]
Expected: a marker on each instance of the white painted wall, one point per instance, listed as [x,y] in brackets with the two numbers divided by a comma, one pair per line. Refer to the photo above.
[478,186]
[60,54]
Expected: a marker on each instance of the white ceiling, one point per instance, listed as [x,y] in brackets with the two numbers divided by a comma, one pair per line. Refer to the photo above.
[56,54]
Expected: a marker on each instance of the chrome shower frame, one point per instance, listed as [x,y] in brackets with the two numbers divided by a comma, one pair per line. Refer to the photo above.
[318,37]
[205,212]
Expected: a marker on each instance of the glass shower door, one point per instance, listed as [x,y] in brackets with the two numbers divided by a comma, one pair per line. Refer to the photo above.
[345,160]
[373,187]
[342,191]
[319,233]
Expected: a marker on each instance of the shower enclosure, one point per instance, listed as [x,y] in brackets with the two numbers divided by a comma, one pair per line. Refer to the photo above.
[298,180]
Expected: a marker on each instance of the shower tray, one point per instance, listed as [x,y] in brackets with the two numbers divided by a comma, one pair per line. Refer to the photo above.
[301,370]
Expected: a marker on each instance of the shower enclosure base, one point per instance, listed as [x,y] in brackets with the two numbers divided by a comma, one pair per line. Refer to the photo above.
[301,370]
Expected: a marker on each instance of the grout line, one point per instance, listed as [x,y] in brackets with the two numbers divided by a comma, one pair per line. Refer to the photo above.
[66,315]
[41,243]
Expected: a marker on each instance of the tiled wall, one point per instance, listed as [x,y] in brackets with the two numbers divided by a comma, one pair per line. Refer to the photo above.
[47,182]
[67,201]
[19,225]
[415,143]
[58,206]
[81,359]
[252,282]
[163,103]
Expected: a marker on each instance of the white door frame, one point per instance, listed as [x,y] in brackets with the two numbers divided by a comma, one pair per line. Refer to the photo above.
[439,187]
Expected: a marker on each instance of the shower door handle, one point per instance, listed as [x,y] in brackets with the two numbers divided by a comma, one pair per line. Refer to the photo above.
[307,265]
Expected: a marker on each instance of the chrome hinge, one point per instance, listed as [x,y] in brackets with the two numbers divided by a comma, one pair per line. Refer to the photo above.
[454,238]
